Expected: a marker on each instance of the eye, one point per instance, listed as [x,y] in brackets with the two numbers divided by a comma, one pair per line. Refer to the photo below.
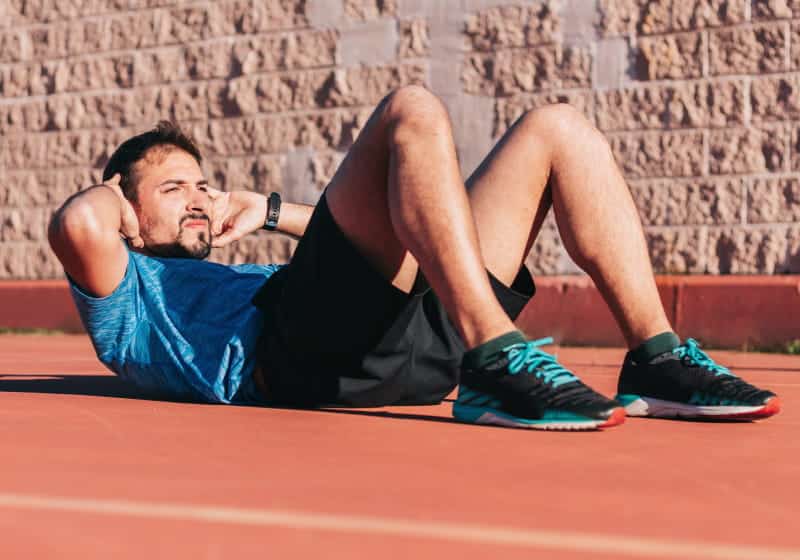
[171,189]
[202,188]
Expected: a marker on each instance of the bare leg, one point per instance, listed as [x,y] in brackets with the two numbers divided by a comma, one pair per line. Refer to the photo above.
[400,199]
[555,156]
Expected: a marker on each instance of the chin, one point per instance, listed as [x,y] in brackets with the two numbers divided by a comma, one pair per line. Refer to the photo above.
[199,250]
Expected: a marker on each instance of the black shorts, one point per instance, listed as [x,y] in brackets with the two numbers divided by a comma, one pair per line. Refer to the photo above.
[338,333]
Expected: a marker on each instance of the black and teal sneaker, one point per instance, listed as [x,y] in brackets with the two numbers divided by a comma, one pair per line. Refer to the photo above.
[687,383]
[526,387]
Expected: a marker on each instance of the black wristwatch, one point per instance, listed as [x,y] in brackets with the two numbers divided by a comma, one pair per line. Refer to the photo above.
[273,212]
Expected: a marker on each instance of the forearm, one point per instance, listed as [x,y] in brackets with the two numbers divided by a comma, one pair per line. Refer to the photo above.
[294,219]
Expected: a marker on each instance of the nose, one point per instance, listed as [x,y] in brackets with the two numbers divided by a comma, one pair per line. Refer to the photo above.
[198,200]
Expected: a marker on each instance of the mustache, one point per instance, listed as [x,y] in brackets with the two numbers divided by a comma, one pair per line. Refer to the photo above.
[194,217]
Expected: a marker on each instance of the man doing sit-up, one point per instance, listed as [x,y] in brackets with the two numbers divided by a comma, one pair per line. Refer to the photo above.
[404,283]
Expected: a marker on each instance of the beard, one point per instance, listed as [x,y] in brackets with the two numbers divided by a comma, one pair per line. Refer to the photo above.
[181,248]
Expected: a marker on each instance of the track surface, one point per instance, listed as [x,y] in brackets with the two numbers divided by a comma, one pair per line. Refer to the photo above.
[89,471]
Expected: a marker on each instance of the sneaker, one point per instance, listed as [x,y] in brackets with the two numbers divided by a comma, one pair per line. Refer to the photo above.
[526,387]
[687,383]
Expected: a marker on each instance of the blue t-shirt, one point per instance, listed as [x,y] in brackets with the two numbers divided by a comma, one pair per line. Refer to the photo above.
[180,328]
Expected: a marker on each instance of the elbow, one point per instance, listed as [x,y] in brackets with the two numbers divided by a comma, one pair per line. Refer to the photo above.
[74,224]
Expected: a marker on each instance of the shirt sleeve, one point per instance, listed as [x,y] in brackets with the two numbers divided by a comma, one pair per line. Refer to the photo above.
[110,320]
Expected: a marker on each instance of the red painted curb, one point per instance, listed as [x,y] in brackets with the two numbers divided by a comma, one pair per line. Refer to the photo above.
[39,304]
[721,311]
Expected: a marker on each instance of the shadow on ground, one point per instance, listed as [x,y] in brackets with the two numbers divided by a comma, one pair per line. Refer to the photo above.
[90,385]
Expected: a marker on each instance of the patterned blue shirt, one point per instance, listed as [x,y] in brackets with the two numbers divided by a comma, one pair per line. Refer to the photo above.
[180,328]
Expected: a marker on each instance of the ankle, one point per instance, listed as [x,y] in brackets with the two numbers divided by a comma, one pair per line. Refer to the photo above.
[486,352]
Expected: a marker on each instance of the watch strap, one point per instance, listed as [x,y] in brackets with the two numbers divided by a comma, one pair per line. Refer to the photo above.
[273,212]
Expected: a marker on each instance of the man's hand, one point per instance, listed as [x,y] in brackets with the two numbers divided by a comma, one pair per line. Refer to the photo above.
[129,223]
[235,214]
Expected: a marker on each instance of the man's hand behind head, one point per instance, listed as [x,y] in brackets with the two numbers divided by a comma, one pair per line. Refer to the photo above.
[235,214]
[129,223]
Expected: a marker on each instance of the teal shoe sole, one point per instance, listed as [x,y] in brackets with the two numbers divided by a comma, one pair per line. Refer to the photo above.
[553,421]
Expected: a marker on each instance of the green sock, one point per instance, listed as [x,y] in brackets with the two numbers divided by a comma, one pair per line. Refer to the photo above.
[655,346]
[487,352]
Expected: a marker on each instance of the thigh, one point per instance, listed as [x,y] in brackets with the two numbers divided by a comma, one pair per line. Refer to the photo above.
[510,197]
[358,200]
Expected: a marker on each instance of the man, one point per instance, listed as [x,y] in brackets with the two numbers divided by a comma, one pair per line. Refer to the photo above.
[403,284]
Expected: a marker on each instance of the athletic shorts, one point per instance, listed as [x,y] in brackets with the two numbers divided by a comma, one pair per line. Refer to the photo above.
[337,333]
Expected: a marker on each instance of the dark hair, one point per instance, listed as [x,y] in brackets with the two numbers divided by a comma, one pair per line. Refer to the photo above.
[166,134]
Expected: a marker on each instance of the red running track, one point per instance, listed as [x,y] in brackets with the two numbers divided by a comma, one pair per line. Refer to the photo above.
[87,471]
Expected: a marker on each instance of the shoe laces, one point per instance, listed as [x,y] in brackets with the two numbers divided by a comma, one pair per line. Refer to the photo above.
[529,356]
[690,351]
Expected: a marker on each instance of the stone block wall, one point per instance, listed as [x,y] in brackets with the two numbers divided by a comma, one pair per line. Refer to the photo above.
[700,100]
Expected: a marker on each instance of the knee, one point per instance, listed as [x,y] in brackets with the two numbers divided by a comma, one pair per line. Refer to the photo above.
[563,127]
[411,111]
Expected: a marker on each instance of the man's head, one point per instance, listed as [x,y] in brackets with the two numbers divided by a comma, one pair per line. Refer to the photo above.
[160,175]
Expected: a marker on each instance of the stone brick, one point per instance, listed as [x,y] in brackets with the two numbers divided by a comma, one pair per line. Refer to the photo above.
[196,23]
[117,32]
[671,56]
[575,67]
[363,10]
[771,9]
[257,16]
[9,16]
[414,38]
[754,250]
[47,150]
[509,109]
[653,154]
[22,80]
[200,61]
[275,93]
[23,224]
[774,199]
[775,98]
[127,108]
[532,70]
[689,202]
[26,116]
[745,50]
[261,174]
[45,187]
[685,105]
[677,251]
[747,150]
[628,17]
[273,135]
[700,14]
[102,72]
[15,46]
[511,72]
[28,260]
[298,50]
[367,85]
[512,26]
[43,11]
[226,137]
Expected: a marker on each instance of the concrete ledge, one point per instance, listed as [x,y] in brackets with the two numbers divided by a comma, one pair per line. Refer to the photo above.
[721,311]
